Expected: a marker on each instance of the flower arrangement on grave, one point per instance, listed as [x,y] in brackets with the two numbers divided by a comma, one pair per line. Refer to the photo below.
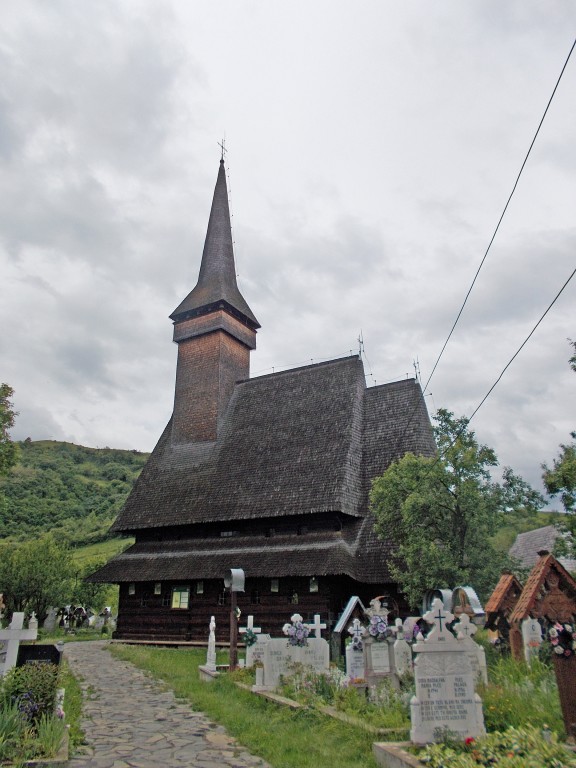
[563,639]
[378,628]
[250,638]
[297,631]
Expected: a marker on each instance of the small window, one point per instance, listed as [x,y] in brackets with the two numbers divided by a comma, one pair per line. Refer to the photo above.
[166,600]
[132,589]
[158,588]
[180,597]
[274,585]
[313,584]
[255,597]
[199,587]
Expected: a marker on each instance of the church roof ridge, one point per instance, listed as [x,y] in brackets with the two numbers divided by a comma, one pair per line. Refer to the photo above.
[217,279]
[310,366]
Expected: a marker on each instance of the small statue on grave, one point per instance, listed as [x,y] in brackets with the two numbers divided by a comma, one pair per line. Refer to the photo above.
[211,655]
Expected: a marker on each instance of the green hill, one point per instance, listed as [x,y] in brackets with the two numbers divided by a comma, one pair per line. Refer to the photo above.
[72,491]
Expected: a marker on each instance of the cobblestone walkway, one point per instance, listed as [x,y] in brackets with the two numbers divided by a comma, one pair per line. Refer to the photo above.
[131,722]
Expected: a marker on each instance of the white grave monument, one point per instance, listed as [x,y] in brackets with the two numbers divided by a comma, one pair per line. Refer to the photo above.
[377,655]
[532,637]
[355,651]
[252,630]
[211,654]
[465,631]
[445,698]
[281,653]
[402,651]
[11,638]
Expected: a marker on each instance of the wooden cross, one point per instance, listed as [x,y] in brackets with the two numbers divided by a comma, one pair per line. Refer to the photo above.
[316,626]
[250,626]
[13,636]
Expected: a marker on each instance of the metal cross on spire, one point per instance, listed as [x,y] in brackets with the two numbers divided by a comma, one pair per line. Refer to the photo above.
[222,145]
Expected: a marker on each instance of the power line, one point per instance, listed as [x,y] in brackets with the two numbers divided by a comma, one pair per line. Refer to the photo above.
[501,217]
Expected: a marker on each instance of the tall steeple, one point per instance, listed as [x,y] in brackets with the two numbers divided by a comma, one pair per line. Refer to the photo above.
[215,330]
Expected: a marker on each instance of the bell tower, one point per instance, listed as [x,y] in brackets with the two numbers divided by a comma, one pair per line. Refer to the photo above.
[215,330]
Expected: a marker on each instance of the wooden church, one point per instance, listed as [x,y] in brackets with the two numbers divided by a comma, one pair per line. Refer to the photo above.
[269,474]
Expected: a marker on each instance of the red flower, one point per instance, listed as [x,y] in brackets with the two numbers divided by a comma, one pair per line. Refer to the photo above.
[469,740]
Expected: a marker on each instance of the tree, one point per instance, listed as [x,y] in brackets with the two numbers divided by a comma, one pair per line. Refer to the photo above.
[440,512]
[35,575]
[8,449]
[561,480]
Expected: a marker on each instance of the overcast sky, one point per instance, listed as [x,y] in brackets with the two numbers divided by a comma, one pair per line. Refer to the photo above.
[371,149]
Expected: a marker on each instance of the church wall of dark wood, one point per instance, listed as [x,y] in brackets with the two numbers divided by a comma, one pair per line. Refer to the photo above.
[146,612]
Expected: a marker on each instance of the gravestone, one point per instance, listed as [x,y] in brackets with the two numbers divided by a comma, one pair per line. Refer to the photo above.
[531,637]
[255,653]
[401,651]
[281,653]
[355,652]
[445,699]
[51,620]
[45,654]
[11,638]
[251,630]
[465,631]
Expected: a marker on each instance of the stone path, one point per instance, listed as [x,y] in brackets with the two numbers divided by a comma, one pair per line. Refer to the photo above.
[131,721]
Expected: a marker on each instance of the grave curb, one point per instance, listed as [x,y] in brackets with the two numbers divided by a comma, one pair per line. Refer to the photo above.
[60,761]
[392,754]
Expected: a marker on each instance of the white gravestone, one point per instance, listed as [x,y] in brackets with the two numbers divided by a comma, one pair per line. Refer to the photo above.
[11,638]
[255,653]
[355,652]
[532,637]
[465,631]
[256,630]
[445,698]
[279,655]
[211,654]
[402,652]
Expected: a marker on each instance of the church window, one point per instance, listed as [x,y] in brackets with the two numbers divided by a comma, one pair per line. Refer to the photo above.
[274,585]
[255,597]
[158,588]
[132,589]
[313,584]
[180,597]
[199,587]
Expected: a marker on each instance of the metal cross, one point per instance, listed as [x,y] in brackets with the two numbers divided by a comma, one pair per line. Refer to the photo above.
[222,145]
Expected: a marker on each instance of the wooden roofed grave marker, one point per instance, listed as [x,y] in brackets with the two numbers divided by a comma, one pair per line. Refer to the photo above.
[445,698]
[355,651]
[11,638]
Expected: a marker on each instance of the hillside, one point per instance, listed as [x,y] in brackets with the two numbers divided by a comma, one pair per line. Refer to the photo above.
[68,489]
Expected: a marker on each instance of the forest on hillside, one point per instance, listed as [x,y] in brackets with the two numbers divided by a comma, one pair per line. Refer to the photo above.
[72,491]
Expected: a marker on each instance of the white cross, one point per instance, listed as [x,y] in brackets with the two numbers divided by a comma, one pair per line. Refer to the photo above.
[438,616]
[14,636]
[316,626]
[398,629]
[356,629]
[464,628]
[250,626]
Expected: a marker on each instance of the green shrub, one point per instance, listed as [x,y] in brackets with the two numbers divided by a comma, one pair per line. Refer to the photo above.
[32,688]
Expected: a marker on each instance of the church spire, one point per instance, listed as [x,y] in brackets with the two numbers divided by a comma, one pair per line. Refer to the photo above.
[215,330]
[217,284]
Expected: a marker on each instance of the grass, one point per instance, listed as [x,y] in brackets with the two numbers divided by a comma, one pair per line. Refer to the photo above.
[283,737]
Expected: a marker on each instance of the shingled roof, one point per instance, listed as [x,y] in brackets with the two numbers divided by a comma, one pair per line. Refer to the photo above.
[300,442]
[527,545]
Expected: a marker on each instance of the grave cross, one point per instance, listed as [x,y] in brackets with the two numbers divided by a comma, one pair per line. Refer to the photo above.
[464,628]
[316,626]
[436,615]
[13,636]
[250,626]
[398,629]
[356,630]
